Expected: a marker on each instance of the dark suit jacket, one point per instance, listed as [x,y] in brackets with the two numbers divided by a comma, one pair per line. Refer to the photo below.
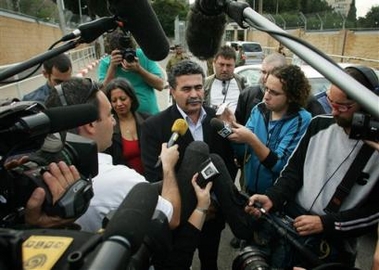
[157,130]
[116,149]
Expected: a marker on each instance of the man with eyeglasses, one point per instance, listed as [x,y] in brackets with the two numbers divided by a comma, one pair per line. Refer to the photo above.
[224,86]
[273,129]
[330,185]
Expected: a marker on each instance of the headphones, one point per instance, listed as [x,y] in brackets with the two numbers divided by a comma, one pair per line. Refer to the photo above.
[371,77]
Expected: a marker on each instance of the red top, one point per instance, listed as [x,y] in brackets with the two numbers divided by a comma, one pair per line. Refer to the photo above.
[132,154]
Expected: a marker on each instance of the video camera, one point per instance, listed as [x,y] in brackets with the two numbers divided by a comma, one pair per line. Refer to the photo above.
[18,183]
[364,127]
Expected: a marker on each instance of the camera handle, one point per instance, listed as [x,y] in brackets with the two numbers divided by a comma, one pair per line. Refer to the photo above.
[304,251]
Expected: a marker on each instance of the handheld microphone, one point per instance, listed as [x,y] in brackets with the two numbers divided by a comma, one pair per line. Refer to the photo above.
[206,26]
[139,18]
[126,230]
[55,120]
[195,154]
[223,129]
[90,31]
[179,128]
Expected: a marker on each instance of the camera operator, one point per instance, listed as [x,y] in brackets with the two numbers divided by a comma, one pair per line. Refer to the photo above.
[308,188]
[58,178]
[113,182]
[131,63]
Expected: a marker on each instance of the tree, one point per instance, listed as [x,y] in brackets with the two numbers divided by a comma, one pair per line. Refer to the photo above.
[352,15]
[167,10]
[371,20]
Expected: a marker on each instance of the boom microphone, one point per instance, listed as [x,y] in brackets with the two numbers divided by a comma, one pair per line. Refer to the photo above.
[206,26]
[55,120]
[222,128]
[90,31]
[125,231]
[139,18]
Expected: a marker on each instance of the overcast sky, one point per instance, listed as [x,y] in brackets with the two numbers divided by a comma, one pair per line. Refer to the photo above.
[363,6]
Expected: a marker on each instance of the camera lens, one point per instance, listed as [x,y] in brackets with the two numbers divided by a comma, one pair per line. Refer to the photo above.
[250,258]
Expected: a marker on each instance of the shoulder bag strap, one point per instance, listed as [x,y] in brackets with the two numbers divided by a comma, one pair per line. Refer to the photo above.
[349,179]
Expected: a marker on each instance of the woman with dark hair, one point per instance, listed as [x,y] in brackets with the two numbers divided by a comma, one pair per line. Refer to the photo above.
[125,148]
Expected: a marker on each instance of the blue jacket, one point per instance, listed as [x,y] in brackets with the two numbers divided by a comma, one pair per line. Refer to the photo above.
[281,137]
[40,94]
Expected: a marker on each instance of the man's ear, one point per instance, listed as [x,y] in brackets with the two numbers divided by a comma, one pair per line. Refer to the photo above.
[45,74]
[88,128]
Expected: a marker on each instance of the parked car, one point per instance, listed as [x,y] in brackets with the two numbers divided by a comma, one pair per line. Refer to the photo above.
[318,82]
[253,50]
[252,74]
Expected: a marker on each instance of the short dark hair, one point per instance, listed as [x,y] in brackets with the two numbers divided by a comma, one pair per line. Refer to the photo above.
[185,67]
[76,91]
[61,62]
[295,84]
[125,86]
[119,40]
[226,52]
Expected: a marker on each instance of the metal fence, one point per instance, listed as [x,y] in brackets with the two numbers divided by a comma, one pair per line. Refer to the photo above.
[80,58]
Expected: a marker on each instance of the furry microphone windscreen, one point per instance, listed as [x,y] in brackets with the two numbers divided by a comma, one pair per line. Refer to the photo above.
[204,32]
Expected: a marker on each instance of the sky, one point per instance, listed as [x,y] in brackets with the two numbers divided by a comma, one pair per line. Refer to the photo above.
[363,6]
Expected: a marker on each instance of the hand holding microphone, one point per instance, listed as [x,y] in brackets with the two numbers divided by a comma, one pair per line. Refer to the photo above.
[179,128]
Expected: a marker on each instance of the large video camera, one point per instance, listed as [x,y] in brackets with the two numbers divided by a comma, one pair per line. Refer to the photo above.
[18,183]
[364,128]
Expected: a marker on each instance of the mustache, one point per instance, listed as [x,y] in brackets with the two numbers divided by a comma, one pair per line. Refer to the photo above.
[194,100]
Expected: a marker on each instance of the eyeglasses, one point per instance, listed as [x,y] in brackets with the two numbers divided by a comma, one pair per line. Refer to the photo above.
[340,107]
[272,93]
[94,88]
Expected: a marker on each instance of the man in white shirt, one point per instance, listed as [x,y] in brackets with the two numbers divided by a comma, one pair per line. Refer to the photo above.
[113,182]
[224,86]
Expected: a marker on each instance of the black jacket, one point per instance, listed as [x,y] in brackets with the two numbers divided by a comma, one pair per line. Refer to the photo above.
[115,150]
[157,130]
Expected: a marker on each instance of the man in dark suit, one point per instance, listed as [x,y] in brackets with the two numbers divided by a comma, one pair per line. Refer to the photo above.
[186,81]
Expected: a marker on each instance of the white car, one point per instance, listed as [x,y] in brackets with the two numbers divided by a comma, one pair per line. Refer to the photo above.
[252,74]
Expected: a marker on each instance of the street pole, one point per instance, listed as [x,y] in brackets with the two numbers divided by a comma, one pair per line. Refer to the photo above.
[62,20]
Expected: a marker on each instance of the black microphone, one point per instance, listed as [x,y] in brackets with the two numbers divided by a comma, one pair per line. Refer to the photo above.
[90,31]
[196,153]
[223,129]
[139,18]
[206,26]
[55,119]
[126,230]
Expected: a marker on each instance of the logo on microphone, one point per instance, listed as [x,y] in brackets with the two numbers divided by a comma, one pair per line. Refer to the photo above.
[225,131]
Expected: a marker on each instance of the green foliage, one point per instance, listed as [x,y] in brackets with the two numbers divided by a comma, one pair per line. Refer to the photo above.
[167,10]
[371,20]
[45,10]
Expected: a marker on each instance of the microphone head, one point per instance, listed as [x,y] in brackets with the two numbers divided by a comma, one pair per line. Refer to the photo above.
[68,117]
[222,129]
[132,218]
[217,124]
[195,154]
[180,126]
[204,32]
